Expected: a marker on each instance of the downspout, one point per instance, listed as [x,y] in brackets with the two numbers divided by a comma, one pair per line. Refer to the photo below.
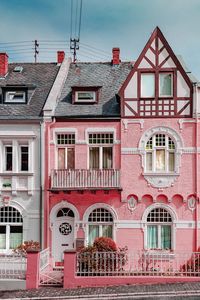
[47,174]
[196,166]
[41,191]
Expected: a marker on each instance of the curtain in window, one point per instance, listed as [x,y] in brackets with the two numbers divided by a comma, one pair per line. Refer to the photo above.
[94,158]
[70,158]
[15,236]
[107,231]
[160,160]
[165,84]
[149,161]
[171,161]
[93,233]
[107,158]
[61,158]
[152,237]
[166,237]
[2,237]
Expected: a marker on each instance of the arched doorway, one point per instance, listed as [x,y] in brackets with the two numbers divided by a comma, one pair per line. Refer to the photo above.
[63,218]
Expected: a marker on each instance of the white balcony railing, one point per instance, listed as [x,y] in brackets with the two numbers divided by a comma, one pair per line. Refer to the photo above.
[69,179]
[12,266]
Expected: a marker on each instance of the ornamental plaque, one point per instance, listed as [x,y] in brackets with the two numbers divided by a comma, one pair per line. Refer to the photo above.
[65,228]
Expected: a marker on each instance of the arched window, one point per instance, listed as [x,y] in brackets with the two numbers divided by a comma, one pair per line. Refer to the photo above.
[65,212]
[11,228]
[159,229]
[160,154]
[100,223]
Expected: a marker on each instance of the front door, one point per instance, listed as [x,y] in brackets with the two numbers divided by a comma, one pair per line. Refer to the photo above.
[62,237]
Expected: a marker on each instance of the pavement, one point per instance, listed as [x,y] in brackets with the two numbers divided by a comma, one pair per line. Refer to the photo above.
[175,291]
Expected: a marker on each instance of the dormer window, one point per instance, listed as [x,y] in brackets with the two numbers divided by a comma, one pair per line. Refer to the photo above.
[15,97]
[15,94]
[85,95]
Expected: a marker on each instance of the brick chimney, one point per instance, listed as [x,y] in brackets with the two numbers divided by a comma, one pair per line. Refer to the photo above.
[60,57]
[116,59]
[3,64]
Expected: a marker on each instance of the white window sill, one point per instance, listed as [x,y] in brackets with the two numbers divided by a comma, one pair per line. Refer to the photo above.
[159,254]
[21,173]
[161,180]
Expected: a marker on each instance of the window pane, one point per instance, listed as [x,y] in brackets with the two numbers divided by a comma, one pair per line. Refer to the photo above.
[107,231]
[165,84]
[149,161]
[171,161]
[15,236]
[2,237]
[24,158]
[8,158]
[94,158]
[160,160]
[70,158]
[147,85]
[107,158]
[152,237]
[166,237]
[93,233]
[61,158]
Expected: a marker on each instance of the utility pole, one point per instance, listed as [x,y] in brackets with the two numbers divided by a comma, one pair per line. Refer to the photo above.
[36,51]
[74,45]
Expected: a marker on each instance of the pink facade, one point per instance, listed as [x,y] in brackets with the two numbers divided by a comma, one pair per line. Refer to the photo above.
[146,188]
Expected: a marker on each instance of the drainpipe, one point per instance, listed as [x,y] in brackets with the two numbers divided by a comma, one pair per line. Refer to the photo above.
[196,167]
[41,192]
[47,175]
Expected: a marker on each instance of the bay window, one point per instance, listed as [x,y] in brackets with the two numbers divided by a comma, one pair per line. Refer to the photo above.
[101,151]
[160,154]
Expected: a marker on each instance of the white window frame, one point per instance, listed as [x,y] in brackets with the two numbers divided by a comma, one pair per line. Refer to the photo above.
[173,224]
[166,73]
[20,157]
[5,158]
[21,100]
[167,151]
[77,100]
[66,150]
[100,146]
[91,209]
[64,146]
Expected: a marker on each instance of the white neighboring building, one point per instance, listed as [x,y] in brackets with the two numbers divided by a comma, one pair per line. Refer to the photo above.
[24,88]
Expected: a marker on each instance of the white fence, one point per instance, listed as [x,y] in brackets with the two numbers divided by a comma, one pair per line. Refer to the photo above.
[12,267]
[144,263]
[107,178]
[44,258]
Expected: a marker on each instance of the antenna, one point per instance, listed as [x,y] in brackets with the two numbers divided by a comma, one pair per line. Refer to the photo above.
[36,51]
[75,34]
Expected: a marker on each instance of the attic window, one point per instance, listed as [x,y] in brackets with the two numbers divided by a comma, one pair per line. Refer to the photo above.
[15,97]
[18,69]
[85,96]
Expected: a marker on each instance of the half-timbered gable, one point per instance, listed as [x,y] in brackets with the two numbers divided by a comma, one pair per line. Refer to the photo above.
[157,86]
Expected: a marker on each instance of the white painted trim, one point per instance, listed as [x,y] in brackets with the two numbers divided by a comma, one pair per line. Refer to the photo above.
[17,134]
[100,130]
[184,150]
[128,121]
[61,205]
[64,130]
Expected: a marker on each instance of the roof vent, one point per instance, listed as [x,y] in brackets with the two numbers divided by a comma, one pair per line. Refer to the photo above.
[18,69]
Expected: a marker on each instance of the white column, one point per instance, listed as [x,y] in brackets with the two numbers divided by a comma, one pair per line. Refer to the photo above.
[15,156]
[31,156]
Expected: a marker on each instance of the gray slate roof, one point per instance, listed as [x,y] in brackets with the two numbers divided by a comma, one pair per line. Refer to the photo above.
[109,77]
[40,78]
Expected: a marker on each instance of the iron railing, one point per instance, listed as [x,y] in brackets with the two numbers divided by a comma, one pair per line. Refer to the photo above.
[142,263]
[13,266]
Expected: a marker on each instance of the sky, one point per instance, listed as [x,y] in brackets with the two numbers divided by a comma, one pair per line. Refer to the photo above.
[105,24]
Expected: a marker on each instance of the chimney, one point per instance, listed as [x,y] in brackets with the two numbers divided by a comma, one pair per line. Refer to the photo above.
[116,59]
[3,64]
[60,57]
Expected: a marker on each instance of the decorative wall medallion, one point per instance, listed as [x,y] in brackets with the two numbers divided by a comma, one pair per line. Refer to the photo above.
[161,181]
[192,203]
[6,199]
[65,228]
[132,203]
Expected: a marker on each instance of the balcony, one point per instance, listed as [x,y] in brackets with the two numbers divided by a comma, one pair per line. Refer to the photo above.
[85,179]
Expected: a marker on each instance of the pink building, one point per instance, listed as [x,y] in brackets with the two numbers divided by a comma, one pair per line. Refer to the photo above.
[122,151]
